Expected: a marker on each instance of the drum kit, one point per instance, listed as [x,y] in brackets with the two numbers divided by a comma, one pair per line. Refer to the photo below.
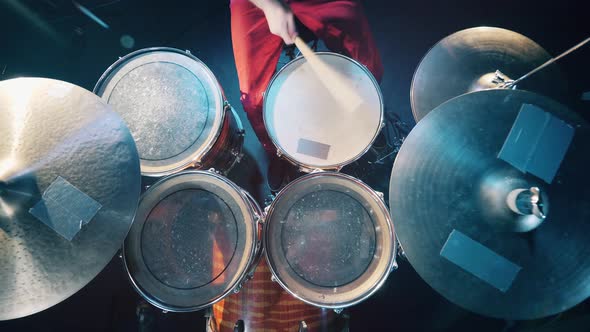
[488,193]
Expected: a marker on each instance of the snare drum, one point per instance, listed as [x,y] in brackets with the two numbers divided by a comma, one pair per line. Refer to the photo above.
[194,240]
[304,122]
[329,240]
[175,109]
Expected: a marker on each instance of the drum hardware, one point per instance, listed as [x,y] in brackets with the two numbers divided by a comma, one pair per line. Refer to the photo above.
[302,326]
[70,187]
[501,80]
[237,152]
[394,266]
[400,251]
[239,326]
[527,202]
[480,58]
[475,222]
[380,194]
[213,170]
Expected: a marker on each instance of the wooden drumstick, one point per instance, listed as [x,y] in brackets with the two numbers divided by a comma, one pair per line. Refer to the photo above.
[337,84]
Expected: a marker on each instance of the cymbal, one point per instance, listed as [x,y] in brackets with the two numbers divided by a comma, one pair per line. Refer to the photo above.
[466,61]
[69,188]
[447,183]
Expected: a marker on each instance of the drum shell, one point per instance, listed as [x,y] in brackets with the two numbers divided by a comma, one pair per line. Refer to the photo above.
[227,150]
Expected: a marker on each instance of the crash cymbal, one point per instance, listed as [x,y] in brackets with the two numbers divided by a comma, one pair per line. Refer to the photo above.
[467,60]
[450,190]
[69,188]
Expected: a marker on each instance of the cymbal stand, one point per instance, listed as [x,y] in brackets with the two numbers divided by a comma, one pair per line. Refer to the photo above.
[511,84]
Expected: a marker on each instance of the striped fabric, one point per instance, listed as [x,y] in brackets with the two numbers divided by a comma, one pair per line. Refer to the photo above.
[264,306]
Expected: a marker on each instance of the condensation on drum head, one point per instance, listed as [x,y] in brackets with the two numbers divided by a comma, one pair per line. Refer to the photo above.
[193,241]
[329,240]
[171,102]
[304,123]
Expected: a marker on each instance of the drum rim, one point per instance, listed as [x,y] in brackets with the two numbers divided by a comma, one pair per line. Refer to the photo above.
[253,254]
[337,166]
[194,158]
[391,265]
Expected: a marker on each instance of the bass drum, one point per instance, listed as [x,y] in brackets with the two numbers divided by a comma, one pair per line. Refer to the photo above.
[175,109]
[329,240]
[195,239]
[305,123]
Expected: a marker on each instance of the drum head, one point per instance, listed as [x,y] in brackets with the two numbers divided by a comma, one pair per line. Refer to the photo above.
[305,123]
[192,241]
[171,102]
[329,240]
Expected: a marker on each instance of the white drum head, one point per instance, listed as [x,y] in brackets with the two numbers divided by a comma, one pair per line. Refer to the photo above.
[306,124]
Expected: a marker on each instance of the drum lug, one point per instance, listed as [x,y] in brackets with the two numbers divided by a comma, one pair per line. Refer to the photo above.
[400,251]
[164,311]
[238,288]
[267,208]
[238,155]
[272,278]
[279,153]
[196,164]
[226,105]
[302,326]
[213,170]
[394,266]
[382,125]
[338,310]
[258,219]
[187,52]
[380,194]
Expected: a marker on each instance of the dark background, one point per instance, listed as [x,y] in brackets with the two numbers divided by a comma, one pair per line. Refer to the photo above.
[51,38]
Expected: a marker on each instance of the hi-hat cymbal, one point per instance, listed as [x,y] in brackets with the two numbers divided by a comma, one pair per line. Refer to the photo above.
[448,183]
[466,61]
[69,188]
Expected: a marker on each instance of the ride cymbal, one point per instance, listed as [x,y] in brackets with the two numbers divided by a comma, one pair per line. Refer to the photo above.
[69,188]
[449,197]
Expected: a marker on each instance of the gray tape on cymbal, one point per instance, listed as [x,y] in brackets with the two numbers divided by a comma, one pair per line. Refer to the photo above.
[64,208]
[479,260]
[537,142]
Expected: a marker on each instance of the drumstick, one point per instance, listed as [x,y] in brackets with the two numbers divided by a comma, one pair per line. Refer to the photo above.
[337,84]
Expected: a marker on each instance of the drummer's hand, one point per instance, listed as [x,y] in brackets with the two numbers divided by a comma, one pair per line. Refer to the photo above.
[281,21]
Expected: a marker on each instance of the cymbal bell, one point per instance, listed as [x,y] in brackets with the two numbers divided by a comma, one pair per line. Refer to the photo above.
[449,195]
[467,61]
[69,188]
